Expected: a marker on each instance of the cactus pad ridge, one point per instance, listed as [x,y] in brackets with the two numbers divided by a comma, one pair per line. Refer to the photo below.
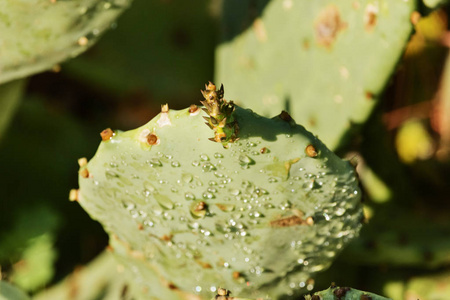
[220,113]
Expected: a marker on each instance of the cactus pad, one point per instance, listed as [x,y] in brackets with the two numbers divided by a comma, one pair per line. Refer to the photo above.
[37,34]
[187,215]
[325,62]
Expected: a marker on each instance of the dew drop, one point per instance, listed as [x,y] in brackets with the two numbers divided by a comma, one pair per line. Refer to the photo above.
[149,223]
[186,177]
[208,167]
[225,207]
[128,205]
[208,195]
[259,192]
[340,211]
[204,157]
[255,214]
[246,184]
[212,190]
[245,160]
[218,155]
[235,192]
[149,187]
[154,162]
[175,164]
[111,175]
[218,174]
[189,196]
[167,216]
[164,201]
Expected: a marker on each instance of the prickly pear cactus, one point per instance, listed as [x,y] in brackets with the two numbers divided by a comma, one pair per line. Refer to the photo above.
[37,34]
[258,210]
[325,62]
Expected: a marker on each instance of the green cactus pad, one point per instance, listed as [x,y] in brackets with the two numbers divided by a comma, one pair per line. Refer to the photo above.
[187,216]
[37,34]
[325,62]
[10,292]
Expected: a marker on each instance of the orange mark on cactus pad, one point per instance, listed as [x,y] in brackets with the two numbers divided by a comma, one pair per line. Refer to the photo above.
[327,26]
[106,134]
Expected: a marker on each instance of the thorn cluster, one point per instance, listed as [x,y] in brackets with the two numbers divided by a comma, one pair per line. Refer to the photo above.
[220,115]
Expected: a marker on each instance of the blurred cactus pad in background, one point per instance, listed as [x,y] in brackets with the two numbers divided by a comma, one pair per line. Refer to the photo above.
[320,170]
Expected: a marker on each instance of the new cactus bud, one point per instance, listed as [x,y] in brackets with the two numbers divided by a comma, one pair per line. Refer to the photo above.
[220,115]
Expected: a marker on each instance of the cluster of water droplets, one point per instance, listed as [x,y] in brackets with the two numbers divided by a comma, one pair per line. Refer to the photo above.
[217,210]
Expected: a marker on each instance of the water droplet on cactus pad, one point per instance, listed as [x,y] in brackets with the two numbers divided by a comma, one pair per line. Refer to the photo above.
[225,207]
[164,201]
[208,167]
[154,162]
[186,177]
[189,196]
[245,160]
[204,157]
[208,195]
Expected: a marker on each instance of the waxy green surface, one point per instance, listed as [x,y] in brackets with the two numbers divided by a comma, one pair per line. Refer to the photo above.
[325,62]
[148,198]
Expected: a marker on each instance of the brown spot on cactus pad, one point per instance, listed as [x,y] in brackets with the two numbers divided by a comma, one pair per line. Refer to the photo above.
[311,151]
[287,222]
[193,109]
[263,150]
[84,173]
[152,139]
[82,162]
[327,25]
[285,116]
[340,292]
[370,17]
[107,134]
[237,275]
[73,195]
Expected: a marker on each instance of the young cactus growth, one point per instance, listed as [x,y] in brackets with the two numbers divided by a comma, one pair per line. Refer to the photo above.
[186,216]
[220,115]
